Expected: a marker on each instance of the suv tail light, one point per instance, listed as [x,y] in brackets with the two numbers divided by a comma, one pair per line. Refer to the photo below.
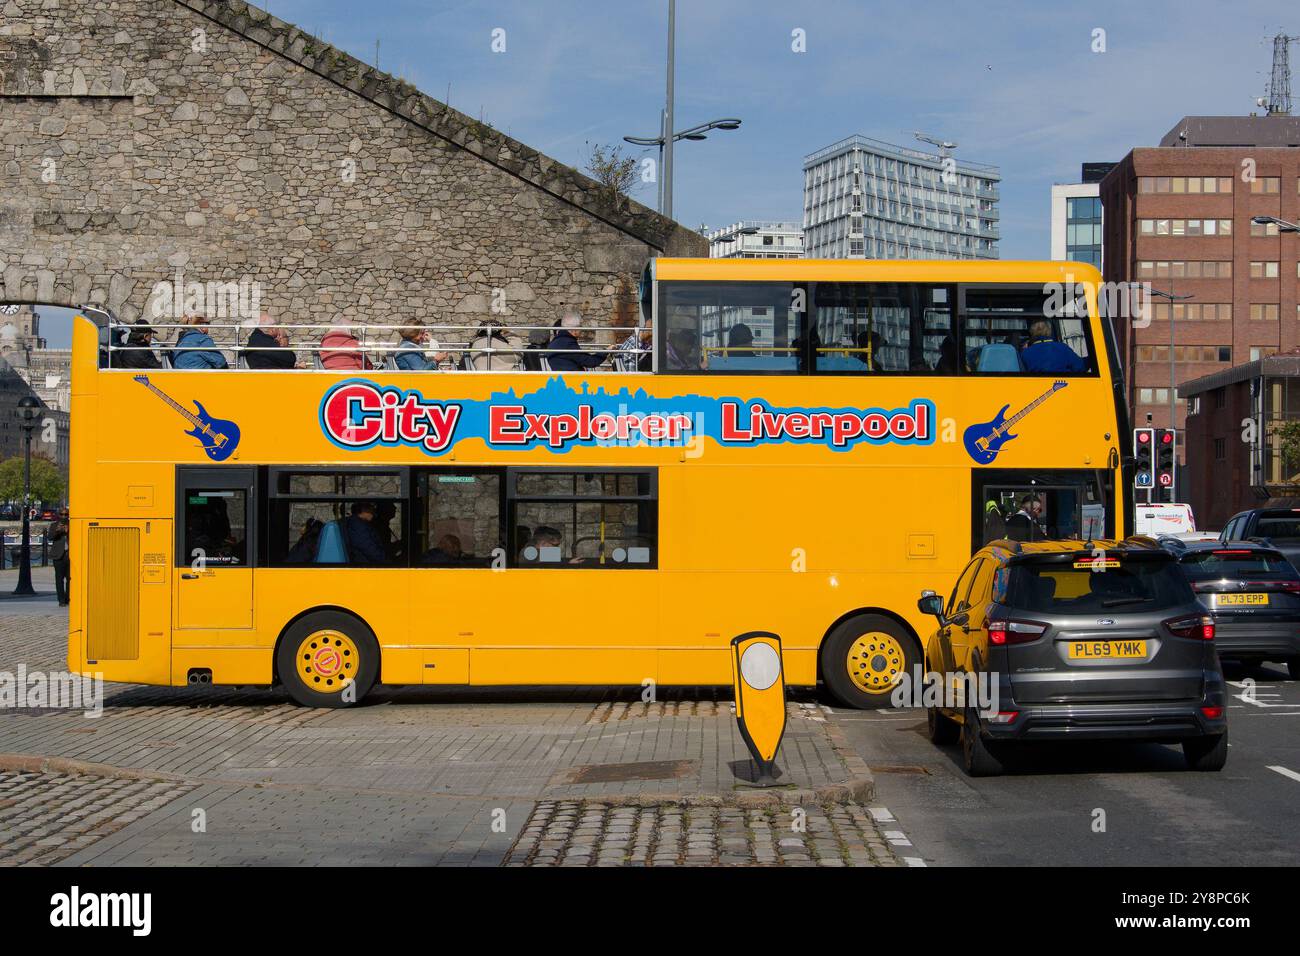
[1197,625]
[1015,632]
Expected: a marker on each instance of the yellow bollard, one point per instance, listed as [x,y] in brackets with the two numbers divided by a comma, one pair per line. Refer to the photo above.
[759,680]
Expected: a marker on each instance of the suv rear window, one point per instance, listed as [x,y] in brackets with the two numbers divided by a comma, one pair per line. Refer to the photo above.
[1229,563]
[1072,584]
[1278,527]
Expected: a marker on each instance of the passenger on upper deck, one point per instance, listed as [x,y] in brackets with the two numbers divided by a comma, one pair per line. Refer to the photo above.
[139,348]
[410,350]
[195,348]
[340,350]
[268,346]
[682,350]
[568,356]
[503,355]
[740,341]
[633,353]
[1045,354]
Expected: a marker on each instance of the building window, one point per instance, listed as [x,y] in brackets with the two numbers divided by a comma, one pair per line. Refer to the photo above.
[1193,311]
[1188,227]
[1266,184]
[1184,184]
[1265,269]
[1220,449]
[1263,229]
[1264,312]
[1184,353]
[1220,397]
[1153,396]
[1184,269]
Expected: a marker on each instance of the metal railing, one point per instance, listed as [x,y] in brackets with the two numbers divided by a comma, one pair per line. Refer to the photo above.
[351,346]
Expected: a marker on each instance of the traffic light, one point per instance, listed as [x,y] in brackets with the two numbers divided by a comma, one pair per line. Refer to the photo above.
[1166,452]
[1143,447]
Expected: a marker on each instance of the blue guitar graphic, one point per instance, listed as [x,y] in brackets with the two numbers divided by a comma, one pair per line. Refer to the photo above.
[984,441]
[218,437]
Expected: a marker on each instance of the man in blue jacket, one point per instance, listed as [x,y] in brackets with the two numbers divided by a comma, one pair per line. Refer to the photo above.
[568,357]
[363,542]
[1046,355]
[195,348]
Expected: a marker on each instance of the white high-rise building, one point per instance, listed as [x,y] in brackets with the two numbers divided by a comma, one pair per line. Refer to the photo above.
[864,199]
[756,239]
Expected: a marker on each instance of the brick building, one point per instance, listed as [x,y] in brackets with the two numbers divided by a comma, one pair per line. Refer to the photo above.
[1179,216]
[1235,458]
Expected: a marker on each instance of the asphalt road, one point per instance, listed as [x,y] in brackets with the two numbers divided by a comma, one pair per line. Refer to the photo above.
[1044,810]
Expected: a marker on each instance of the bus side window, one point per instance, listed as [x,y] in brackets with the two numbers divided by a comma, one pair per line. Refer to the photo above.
[731,327]
[1024,330]
[460,523]
[595,519]
[866,327]
[216,531]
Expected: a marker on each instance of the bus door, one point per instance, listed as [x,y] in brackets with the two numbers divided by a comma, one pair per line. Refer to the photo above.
[1062,504]
[214,550]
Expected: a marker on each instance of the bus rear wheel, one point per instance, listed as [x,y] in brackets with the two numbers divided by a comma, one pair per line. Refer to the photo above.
[864,658]
[328,659]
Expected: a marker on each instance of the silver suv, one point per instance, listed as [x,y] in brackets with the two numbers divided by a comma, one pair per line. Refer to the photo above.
[1073,641]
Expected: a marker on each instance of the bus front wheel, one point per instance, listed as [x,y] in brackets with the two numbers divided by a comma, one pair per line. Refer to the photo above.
[865,657]
[328,659]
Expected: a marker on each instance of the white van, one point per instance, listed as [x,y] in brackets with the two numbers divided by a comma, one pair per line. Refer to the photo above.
[1158,519]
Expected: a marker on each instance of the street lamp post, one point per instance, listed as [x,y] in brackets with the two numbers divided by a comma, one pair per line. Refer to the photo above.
[29,410]
[666,131]
[665,144]
[1173,378]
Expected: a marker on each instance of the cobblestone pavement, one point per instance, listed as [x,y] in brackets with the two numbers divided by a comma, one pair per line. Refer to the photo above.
[46,818]
[576,833]
[420,775]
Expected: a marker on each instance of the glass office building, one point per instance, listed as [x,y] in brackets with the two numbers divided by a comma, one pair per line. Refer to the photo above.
[864,199]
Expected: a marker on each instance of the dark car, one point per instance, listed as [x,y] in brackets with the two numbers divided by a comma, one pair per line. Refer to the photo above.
[9,513]
[1096,641]
[1253,592]
[1273,527]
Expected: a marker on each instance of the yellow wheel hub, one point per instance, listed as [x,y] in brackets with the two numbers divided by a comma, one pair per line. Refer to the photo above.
[327,661]
[875,662]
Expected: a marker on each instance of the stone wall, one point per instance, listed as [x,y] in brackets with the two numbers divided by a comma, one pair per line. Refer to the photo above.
[146,141]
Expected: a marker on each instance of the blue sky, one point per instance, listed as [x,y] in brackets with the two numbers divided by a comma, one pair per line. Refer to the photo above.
[1015,84]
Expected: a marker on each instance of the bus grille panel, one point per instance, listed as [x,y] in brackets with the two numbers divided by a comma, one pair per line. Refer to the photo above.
[113,594]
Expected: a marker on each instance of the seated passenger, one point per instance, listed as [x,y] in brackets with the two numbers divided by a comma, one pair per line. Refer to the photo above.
[363,543]
[740,339]
[340,350]
[410,350]
[447,553]
[195,348]
[871,344]
[545,539]
[1044,354]
[633,353]
[504,355]
[682,350]
[949,361]
[139,348]
[568,356]
[268,346]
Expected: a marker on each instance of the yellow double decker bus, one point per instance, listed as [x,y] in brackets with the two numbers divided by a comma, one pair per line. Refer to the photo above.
[798,447]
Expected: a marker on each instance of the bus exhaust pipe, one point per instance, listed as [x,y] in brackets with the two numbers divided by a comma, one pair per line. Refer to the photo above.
[199,675]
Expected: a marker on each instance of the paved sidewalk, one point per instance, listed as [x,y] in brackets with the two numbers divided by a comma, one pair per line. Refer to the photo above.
[419,775]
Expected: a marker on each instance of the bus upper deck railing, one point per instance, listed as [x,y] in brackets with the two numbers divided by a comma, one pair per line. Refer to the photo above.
[491,346]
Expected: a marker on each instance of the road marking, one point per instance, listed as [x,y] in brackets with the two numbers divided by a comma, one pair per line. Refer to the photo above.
[1282,770]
